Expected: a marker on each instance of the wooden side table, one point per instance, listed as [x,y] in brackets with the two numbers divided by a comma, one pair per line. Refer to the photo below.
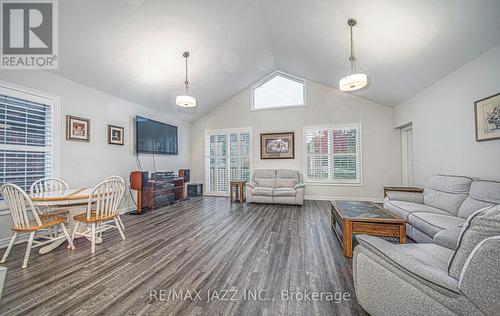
[238,188]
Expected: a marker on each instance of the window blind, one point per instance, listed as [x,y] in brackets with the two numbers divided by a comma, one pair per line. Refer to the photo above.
[333,154]
[25,140]
[227,158]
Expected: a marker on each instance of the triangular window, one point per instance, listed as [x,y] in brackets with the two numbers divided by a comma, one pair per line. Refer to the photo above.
[278,90]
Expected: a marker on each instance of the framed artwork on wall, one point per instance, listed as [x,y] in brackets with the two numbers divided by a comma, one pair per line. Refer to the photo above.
[116,135]
[487,115]
[77,128]
[277,146]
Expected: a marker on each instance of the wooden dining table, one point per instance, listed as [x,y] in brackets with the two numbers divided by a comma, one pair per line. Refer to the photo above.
[74,199]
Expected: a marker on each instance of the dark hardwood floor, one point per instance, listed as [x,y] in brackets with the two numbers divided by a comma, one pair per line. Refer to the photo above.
[228,252]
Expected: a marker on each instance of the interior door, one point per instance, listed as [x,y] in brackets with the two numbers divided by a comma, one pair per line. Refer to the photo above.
[408,171]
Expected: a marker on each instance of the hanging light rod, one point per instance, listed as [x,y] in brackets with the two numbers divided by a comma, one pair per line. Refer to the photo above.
[185,100]
[354,80]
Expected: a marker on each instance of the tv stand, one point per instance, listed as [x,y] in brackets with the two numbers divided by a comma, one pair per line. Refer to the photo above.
[162,189]
[162,192]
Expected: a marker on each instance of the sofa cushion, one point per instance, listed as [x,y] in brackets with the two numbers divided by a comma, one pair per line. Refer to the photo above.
[482,194]
[447,192]
[286,178]
[448,238]
[432,223]
[479,226]
[429,253]
[404,209]
[418,236]
[470,206]
[427,261]
[485,190]
[450,184]
[263,191]
[291,192]
[265,178]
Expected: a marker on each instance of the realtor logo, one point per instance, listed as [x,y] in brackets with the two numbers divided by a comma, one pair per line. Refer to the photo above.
[29,34]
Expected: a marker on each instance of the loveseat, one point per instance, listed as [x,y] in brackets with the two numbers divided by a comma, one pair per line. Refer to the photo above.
[281,186]
[437,213]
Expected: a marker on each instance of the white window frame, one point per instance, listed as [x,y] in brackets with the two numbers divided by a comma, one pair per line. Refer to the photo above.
[333,182]
[270,77]
[226,131]
[41,97]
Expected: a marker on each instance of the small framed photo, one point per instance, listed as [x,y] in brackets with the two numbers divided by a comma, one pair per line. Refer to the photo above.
[115,135]
[487,114]
[277,146]
[77,128]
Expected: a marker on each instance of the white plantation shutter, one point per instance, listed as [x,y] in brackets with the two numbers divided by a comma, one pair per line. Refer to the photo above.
[244,156]
[26,138]
[333,154]
[221,162]
[227,158]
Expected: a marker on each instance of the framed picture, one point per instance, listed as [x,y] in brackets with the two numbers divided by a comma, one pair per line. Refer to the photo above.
[487,114]
[115,135]
[77,128]
[277,146]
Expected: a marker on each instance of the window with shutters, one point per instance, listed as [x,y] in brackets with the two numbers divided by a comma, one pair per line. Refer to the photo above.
[333,154]
[27,145]
[278,90]
[227,157]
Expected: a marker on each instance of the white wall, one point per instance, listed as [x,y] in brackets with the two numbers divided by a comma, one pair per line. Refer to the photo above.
[443,122]
[85,164]
[381,143]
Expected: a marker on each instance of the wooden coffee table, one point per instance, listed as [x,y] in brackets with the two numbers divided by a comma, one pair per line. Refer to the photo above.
[349,218]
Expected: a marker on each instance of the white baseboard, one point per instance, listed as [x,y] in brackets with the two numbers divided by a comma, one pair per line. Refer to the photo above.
[20,239]
[330,198]
[127,209]
[326,198]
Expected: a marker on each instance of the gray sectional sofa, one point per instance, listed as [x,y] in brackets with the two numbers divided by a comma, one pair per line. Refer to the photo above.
[453,269]
[281,186]
[438,214]
[429,279]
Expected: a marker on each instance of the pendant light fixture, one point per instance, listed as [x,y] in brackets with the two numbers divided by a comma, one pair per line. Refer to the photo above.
[355,80]
[186,101]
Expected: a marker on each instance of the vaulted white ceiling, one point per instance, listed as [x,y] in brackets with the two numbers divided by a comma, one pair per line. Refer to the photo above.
[133,48]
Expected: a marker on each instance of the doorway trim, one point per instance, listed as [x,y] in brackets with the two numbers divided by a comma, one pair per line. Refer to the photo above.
[407,155]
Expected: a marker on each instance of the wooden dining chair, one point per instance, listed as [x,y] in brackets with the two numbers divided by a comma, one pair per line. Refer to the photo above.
[118,215]
[47,185]
[102,210]
[27,219]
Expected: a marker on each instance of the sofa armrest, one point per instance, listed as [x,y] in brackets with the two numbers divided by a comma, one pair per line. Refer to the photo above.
[480,277]
[414,195]
[409,264]
[448,238]
[250,184]
[402,189]
[299,186]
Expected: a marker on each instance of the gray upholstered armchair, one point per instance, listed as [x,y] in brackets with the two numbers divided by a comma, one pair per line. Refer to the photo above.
[275,186]
[428,279]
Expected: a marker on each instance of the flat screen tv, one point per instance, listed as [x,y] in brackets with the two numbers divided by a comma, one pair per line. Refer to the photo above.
[153,137]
